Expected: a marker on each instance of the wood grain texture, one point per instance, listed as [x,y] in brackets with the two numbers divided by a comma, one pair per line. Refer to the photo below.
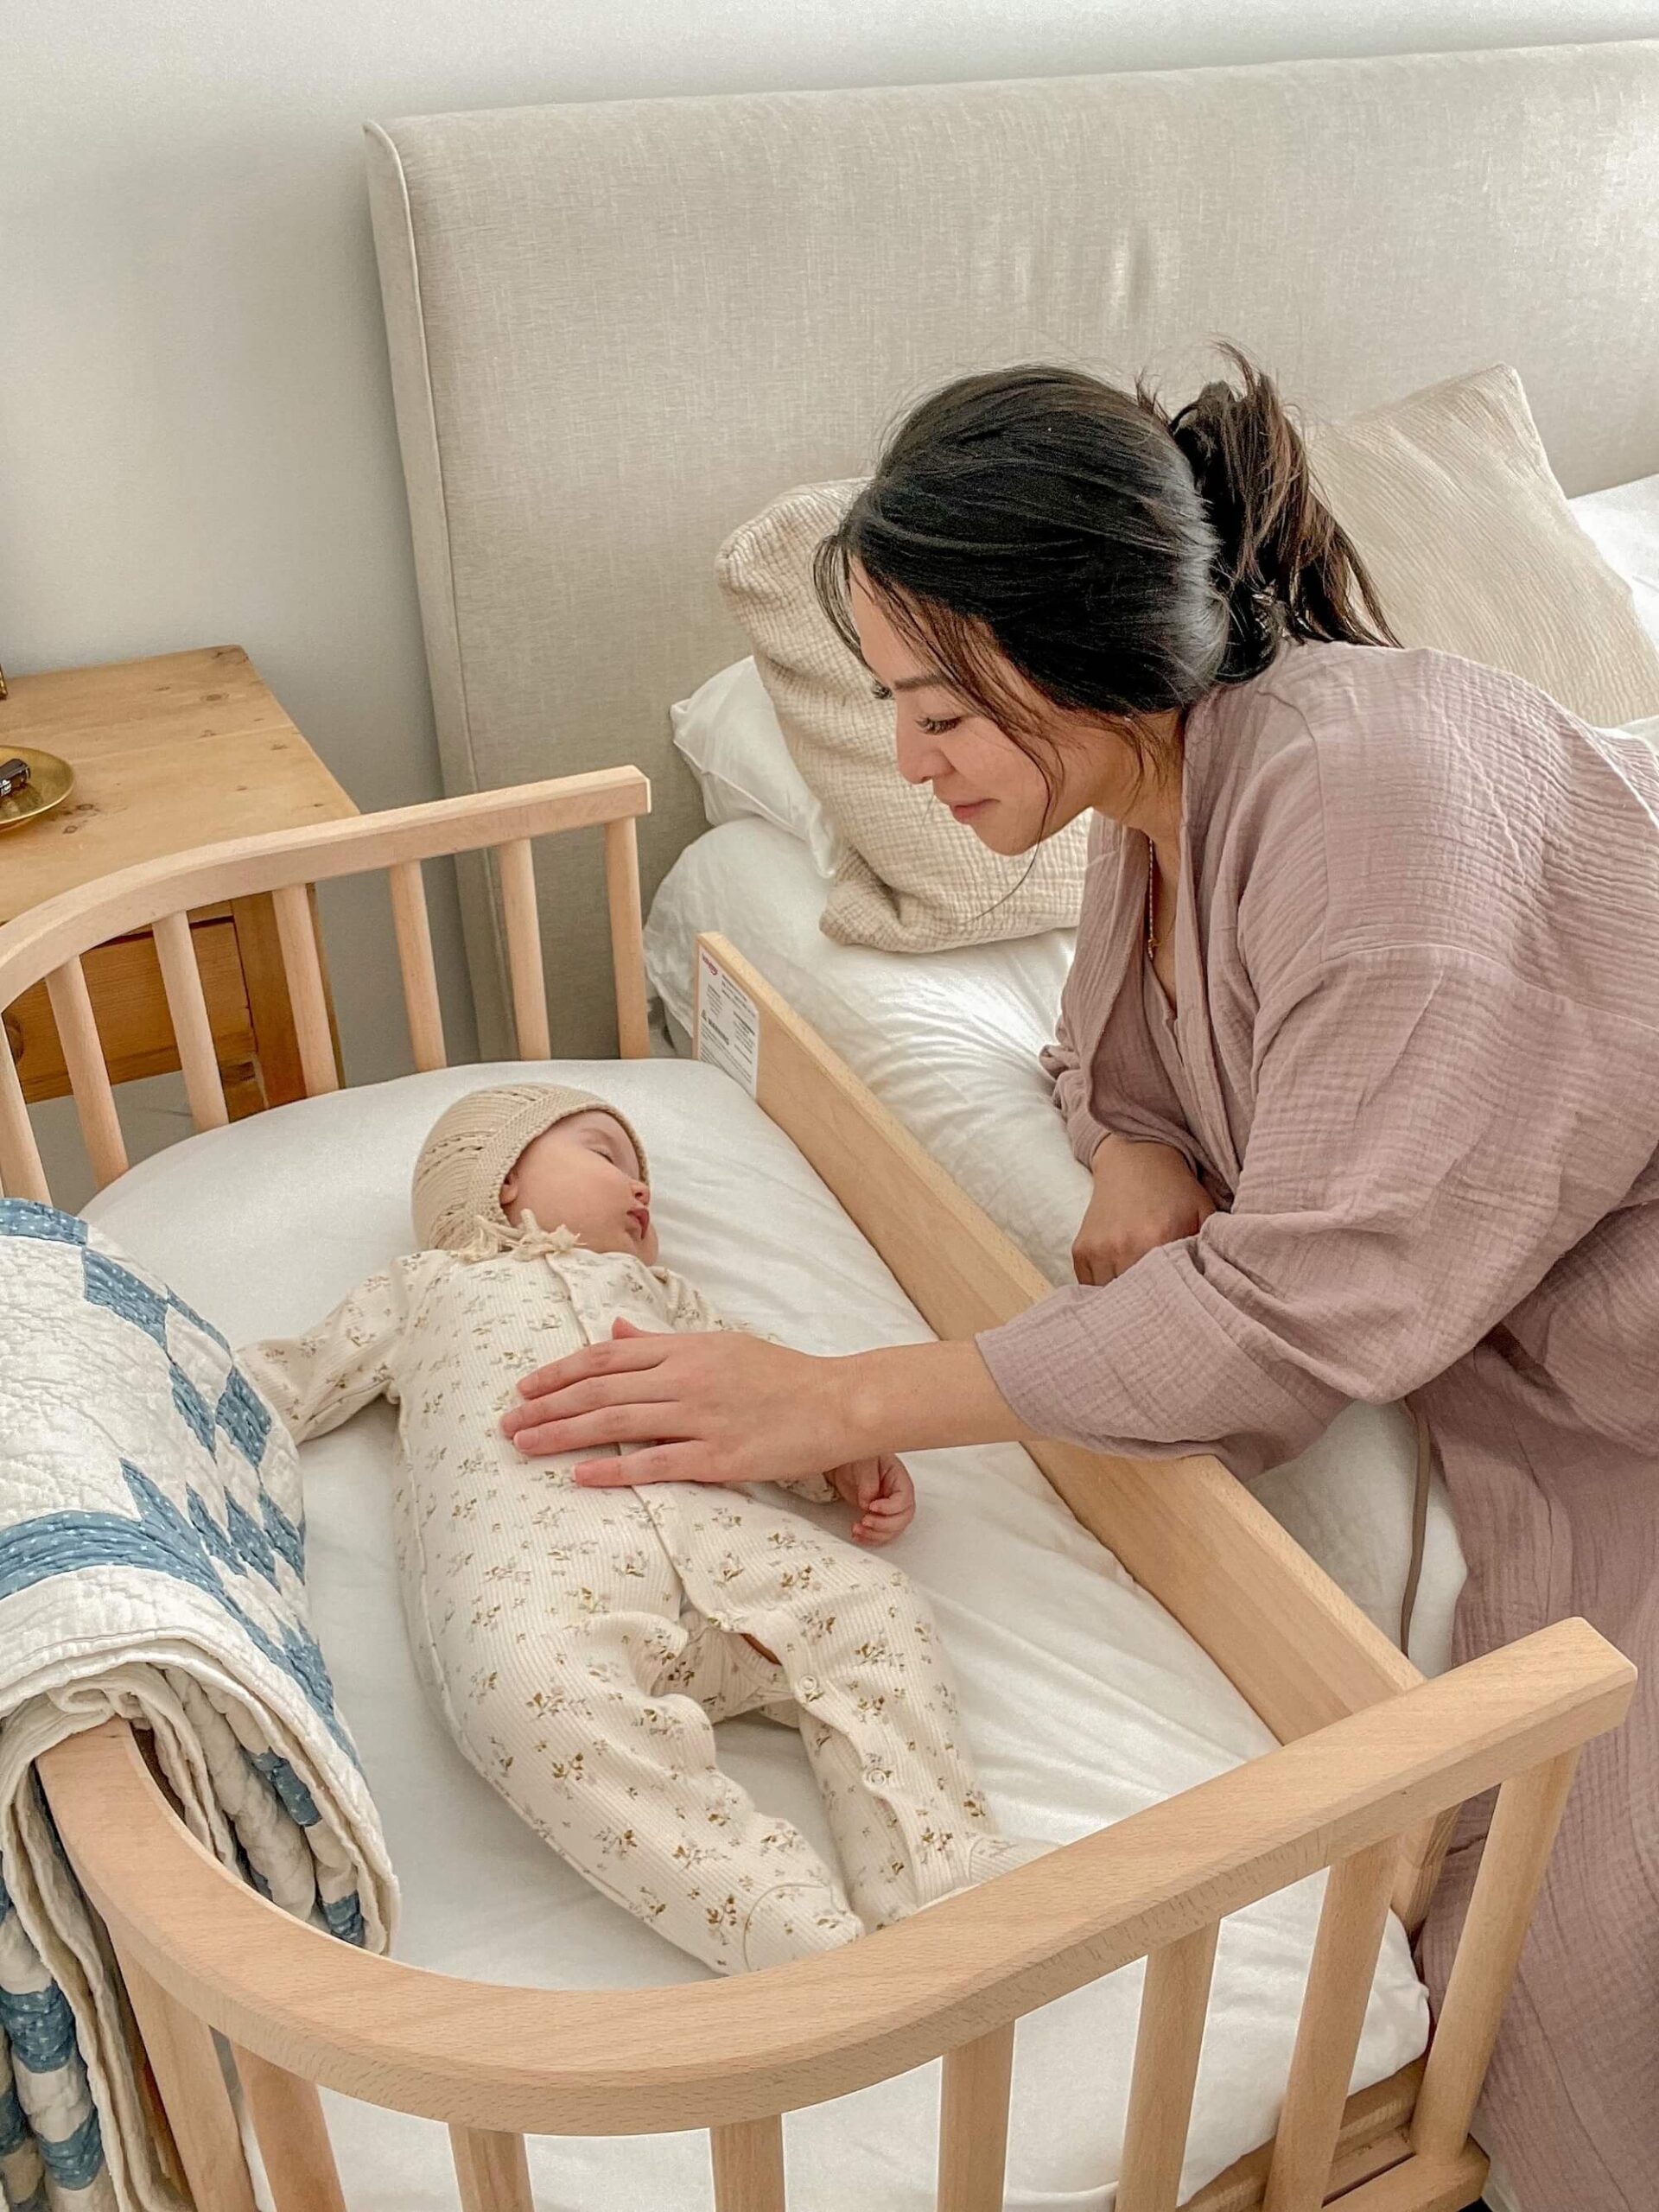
[180,2048]
[297,931]
[625,2061]
[244,868]
[1372,2139]
[1512,1864]
[270,1010]
[168,753]
[292,2135]
[1422,2185]
[22,1174]
[975,2084]
[130,998]
[193,1028]
[89,1079]
[413,926]
[180,750]
[627,940]
[747,2160]
[1351,1921]
[524,931]
[248,876]
[1166,2046]
[492,2170]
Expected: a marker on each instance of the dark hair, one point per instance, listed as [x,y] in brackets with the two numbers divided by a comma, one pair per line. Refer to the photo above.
[1123,559]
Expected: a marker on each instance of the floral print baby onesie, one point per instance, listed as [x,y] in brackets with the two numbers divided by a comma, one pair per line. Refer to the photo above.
[580,1642]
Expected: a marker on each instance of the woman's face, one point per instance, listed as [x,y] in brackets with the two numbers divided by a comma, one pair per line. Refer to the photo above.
[975,767]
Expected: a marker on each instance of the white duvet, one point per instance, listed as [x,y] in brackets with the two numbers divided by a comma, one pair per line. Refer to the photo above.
[1084,1700]
[949,1041]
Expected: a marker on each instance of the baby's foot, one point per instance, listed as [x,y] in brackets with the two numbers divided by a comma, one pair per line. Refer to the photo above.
[795,1921]
[991,1855]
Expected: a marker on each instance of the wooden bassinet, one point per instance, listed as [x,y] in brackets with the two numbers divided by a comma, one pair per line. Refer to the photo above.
[1372,1765]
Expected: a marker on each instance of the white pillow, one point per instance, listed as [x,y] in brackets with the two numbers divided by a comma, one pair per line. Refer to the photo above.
[1623,524]
[728,734]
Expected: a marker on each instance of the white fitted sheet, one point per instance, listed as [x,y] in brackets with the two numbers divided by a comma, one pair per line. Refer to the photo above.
[949,1041]
[1082,1699]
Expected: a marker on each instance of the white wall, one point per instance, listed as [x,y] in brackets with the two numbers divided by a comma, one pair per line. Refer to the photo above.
[196,441]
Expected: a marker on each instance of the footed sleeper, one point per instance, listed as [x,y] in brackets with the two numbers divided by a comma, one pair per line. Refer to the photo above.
[581,1644]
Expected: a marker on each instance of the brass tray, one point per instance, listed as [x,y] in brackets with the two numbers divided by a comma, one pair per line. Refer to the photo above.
[50,782]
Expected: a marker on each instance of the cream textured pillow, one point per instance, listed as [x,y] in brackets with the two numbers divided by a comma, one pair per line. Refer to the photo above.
[912,879]
[1472,545]
[1448,497]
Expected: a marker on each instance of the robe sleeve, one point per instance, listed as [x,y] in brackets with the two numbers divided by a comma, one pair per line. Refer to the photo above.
[1432,1131]
[689,1309]
[318,1381]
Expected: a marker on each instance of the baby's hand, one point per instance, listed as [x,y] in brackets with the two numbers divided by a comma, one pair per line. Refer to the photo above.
[881,1495]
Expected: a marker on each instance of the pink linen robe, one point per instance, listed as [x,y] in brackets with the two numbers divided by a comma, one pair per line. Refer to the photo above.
[1417,1063]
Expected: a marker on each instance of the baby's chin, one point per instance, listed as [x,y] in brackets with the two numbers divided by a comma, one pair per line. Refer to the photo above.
[621,1238]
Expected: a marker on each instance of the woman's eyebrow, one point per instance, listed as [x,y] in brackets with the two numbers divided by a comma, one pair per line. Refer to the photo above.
[920,683]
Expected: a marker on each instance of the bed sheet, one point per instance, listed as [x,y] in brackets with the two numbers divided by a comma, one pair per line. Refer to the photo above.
[950,1041]
[1084,1700]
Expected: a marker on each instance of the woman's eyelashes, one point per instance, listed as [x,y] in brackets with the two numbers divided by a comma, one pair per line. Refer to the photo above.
[929,725]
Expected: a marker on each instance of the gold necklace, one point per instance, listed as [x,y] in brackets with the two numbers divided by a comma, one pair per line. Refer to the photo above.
[1152,900]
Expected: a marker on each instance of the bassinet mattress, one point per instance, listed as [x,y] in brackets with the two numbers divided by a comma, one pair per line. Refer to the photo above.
[949,1041]
[1083,1699]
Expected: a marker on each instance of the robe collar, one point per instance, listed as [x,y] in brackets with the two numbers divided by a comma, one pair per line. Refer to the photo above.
[1124,852]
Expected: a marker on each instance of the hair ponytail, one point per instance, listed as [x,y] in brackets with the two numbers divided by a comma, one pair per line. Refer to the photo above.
[1285,566]
[1122,560]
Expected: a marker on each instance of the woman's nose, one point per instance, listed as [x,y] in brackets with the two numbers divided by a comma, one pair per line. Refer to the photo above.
[917,756]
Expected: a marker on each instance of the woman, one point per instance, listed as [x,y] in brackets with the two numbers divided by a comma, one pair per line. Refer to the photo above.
[1361,1045]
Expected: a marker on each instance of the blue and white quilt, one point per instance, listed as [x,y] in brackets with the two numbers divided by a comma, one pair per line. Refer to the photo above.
[152,1564]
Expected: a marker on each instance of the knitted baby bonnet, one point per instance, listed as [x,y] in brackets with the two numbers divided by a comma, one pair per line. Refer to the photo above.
[471,1148]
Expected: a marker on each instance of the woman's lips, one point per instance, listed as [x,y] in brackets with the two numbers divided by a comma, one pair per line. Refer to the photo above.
[965,810]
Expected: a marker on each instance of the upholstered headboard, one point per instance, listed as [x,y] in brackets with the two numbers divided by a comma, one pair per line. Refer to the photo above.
[617,329]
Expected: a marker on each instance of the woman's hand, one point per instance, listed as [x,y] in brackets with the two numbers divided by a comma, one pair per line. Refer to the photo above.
[881,1494]
[720,1407]
[1145,1195]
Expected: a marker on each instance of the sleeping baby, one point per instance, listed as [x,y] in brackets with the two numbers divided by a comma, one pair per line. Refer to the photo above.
[581,1643]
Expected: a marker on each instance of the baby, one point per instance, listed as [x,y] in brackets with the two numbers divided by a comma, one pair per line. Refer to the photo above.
[581,1643]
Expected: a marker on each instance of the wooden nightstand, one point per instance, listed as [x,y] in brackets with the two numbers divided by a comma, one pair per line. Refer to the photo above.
[181,750]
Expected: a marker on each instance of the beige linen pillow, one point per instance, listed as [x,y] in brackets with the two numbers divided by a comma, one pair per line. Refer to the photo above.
[1448,497]
[912,879]
[1472,545]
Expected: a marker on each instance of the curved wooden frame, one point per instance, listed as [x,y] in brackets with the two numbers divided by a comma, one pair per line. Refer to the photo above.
[710,2053]
[1372,1765]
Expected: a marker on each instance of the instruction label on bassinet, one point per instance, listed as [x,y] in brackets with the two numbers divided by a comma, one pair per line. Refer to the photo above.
[729,1024]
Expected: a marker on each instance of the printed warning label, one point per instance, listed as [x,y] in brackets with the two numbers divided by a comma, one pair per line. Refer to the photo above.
[729,1024]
